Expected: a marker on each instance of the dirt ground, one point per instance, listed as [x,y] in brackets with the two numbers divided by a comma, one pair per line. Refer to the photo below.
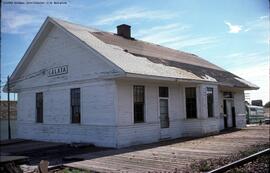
[37,150]
[174,155]
[170,156]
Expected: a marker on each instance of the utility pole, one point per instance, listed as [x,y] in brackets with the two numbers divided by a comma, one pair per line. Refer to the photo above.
[8,91]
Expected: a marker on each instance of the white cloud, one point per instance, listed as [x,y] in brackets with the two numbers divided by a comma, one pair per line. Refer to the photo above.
[260,28]
[164,28]
[133,13]
[244,59]
[263,17]
[246,30]
[27,19]
[260,24]
[253,67]
[259,75]
[192,41]
[174,36]
[161,34]
[14,23]
[233,28]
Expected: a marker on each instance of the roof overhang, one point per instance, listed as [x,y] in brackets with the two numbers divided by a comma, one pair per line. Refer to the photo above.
[168,79]
[235,88]
[48,25]
[178,80]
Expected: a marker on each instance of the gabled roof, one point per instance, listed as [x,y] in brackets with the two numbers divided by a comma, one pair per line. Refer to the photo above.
[135,57]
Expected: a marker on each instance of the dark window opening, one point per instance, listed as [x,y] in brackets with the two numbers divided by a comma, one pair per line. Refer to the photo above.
[227,95]
[163,92]
[225,107]
[210,102]
[191,104]
[75,102]
[138,98]
[39,107]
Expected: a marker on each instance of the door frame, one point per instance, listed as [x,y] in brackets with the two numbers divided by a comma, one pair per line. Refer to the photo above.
[163,98]
[232,109]
[164,132]
[225,118]
[233,117]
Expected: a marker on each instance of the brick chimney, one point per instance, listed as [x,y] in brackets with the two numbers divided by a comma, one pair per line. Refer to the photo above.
[124,31]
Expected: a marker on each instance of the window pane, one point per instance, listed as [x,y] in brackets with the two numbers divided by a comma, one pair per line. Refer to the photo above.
[163,92]
[138,97]
[163,104]
[164,113]
[191,105]
[39,107]
[75,105]
[227,95]
[138,112]
[210,100]
[191,92]
[224,107]
[164,109]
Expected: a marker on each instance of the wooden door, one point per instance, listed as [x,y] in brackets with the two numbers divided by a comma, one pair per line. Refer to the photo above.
[164,118]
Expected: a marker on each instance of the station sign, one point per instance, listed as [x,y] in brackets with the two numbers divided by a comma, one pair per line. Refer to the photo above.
[55,71]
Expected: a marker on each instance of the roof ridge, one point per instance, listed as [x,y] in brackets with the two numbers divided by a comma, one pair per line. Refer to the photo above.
[154,44]
[76,24]
[173,51]
[184,68]
[146,42]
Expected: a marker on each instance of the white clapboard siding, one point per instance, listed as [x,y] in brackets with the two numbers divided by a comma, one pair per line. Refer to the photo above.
[106,98]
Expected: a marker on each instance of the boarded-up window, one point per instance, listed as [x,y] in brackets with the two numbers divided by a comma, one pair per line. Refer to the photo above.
[191,104]
[138,98]
[39,107]
[210,101]
[75,105]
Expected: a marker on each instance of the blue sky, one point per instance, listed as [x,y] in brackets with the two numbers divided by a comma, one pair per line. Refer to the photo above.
[234,34]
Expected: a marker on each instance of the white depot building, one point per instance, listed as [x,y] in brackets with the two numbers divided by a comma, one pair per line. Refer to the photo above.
[79,84]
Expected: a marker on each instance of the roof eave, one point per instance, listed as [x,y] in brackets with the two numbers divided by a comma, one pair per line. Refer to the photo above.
[239,87]
[172,79]
[143,76]
[29,49]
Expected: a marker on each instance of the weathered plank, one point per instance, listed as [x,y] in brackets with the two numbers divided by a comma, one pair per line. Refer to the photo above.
[14,159]
[173,156]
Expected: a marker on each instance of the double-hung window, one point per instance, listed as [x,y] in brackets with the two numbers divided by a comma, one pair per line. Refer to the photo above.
[39,107]
[210,102]
[138,99]
[164,107]
[75,103]
[191,103]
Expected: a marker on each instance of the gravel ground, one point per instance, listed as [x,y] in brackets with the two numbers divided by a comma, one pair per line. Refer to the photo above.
[261,165]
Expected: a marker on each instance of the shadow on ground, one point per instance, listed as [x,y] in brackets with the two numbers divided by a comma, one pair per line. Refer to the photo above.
[61,153]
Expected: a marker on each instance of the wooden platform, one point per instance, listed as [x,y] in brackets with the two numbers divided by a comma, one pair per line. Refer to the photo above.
[55,153]
[172,155]
[12,141]
[15,159]
[19,146]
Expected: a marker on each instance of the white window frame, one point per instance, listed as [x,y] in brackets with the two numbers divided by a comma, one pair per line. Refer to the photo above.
[197,101]
[167,98]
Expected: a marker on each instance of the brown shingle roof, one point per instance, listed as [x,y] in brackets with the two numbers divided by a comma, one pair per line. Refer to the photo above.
[174,58]
[131,57]
[152,50]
